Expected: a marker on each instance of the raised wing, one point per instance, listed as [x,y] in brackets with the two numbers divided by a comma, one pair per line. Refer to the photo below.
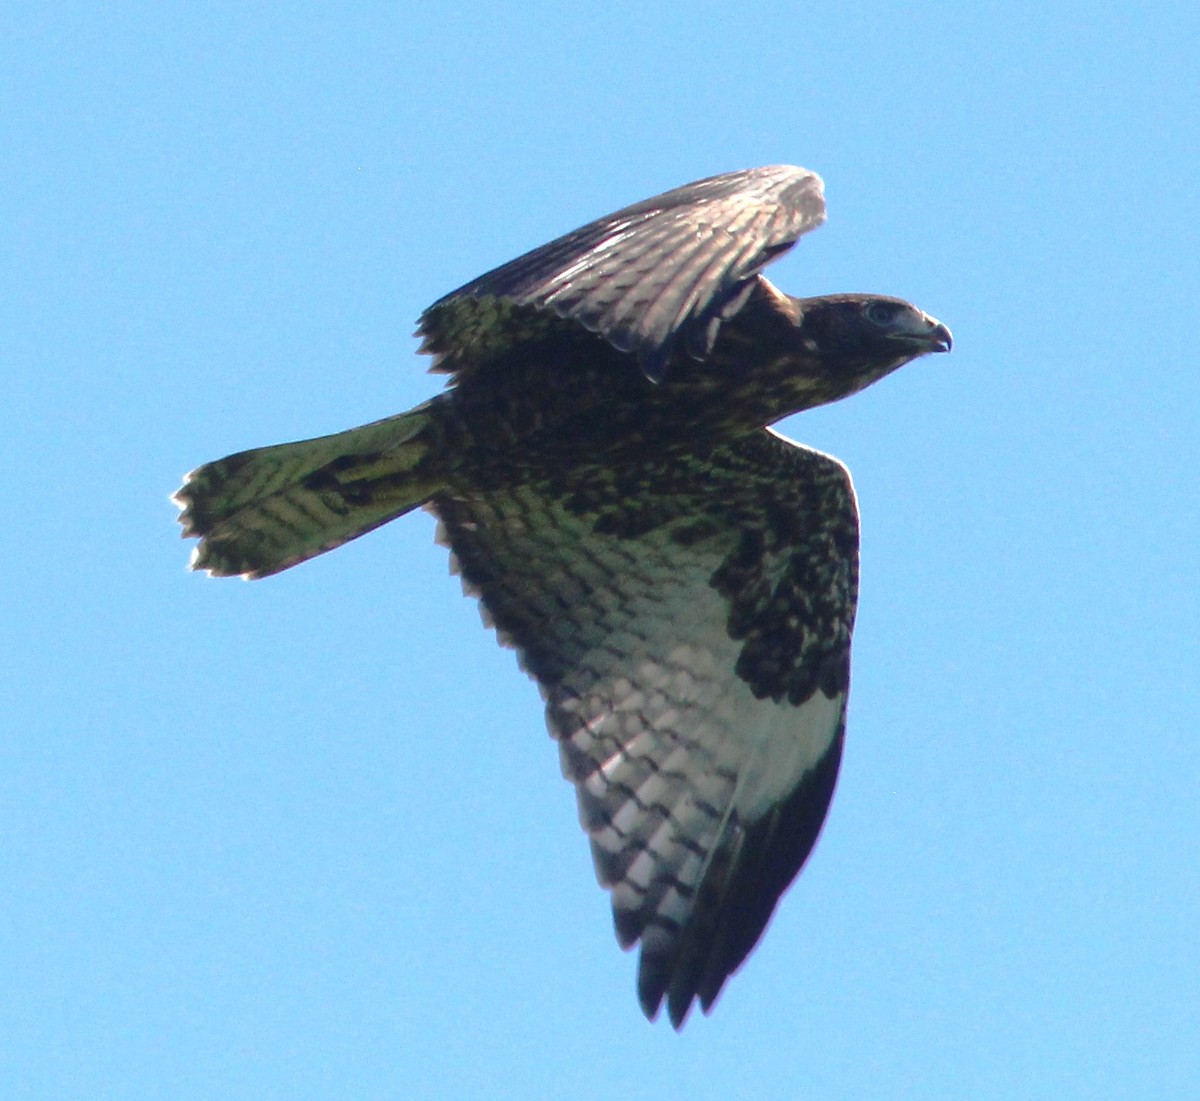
[689,624]
[668,268]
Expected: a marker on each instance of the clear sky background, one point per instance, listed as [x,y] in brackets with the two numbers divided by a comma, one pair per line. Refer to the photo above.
[307,838]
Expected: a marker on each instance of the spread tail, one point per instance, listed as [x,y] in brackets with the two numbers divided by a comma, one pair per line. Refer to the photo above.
[259,512]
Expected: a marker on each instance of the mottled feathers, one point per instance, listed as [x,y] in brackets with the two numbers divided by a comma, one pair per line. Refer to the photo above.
[680,580]
[692,640]
[667,269]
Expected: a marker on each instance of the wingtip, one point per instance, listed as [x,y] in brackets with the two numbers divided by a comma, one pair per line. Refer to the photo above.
[659,982]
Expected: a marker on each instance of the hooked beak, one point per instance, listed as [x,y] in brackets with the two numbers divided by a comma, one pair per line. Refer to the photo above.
[938,337]
[921,333]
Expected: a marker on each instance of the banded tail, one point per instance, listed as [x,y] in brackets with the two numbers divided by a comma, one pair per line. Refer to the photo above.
[259,512]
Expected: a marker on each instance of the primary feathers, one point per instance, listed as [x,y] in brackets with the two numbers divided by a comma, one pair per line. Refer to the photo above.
[680,579]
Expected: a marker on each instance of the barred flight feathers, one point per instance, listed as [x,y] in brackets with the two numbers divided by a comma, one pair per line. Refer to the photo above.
[680,580]
[262,511]
[671,267]
[704,757]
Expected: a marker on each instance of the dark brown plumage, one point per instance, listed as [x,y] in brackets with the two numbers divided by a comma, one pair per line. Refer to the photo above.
[680,580]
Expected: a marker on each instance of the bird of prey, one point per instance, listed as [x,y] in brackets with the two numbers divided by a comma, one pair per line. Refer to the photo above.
[680,579]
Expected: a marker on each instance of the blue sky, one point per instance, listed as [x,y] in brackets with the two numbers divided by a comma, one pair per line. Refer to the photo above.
[307,837]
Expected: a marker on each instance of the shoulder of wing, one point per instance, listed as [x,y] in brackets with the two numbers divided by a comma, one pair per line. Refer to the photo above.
[676,264]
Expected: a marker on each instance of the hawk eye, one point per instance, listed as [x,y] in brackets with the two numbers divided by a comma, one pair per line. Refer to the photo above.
[601,468]
[882,313]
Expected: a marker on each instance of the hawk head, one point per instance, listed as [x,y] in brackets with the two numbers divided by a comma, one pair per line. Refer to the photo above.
[859,338]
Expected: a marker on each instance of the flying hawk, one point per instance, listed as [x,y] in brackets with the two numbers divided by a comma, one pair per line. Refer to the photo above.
[678,578]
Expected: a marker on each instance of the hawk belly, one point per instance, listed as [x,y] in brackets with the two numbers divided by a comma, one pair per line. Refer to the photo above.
[680,580]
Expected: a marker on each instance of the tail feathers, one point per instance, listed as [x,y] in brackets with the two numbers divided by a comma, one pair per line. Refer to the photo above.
[259,512]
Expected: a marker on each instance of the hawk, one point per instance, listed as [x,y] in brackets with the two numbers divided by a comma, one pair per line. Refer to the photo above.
[679,579]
